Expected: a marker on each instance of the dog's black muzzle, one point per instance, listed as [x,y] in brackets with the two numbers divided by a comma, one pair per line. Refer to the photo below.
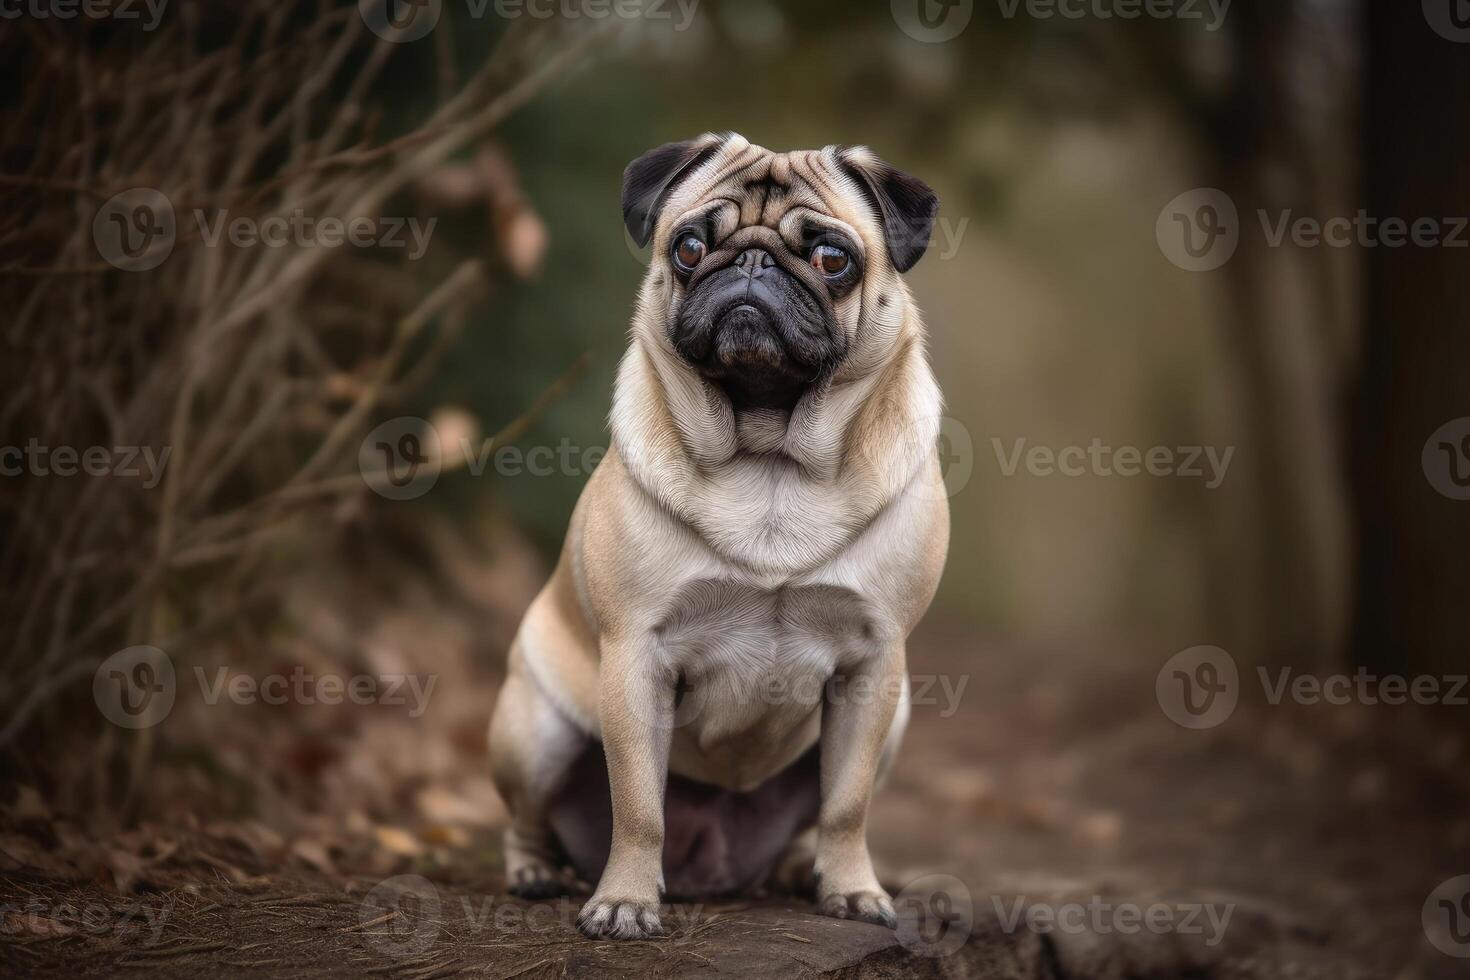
[757,320]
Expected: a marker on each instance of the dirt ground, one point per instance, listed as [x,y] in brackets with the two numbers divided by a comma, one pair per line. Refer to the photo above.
[1289,842]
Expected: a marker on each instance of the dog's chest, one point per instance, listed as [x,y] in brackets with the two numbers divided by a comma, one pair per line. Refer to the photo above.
[766,514]
[752,663]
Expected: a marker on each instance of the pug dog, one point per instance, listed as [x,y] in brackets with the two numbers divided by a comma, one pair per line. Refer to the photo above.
[702,698]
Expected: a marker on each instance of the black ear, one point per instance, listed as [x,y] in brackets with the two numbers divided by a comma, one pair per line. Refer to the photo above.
[648,180]
[905,204]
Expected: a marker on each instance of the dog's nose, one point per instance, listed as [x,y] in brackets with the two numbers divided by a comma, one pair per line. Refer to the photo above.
[755,261]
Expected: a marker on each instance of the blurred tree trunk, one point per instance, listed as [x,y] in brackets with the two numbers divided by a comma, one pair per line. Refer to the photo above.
[1270,149]
[1413,576]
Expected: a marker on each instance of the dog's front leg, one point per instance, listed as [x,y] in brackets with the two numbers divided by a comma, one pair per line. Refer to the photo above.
[637,711]
[857,712]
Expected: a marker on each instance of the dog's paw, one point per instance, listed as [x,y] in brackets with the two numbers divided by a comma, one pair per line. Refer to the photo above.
[537,881]
[874,907]
[619,919]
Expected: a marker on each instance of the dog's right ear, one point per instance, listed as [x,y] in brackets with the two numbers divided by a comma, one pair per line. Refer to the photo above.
[648,180]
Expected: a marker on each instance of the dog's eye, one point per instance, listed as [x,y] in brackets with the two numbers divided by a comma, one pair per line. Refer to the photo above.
[829,260]
[688,252]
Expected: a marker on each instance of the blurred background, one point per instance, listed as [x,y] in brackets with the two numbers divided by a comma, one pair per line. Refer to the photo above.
[1124,269]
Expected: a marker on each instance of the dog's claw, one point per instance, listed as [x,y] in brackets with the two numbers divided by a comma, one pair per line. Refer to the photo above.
[873,907]
[601,919]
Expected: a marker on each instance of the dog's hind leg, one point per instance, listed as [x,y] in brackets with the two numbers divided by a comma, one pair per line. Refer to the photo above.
[532,746]
[795,870]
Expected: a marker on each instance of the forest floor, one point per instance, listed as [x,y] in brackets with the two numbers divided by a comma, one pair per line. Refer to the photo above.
[1048,810]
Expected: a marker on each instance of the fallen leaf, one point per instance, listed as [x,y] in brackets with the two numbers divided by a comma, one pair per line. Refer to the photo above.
[399,842]
[313,853]
[445,834]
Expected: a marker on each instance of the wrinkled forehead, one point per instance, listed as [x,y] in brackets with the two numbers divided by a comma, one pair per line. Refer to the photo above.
[745,185]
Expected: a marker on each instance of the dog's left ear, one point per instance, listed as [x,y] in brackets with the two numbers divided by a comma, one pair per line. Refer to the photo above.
[648,180]
[906,204]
